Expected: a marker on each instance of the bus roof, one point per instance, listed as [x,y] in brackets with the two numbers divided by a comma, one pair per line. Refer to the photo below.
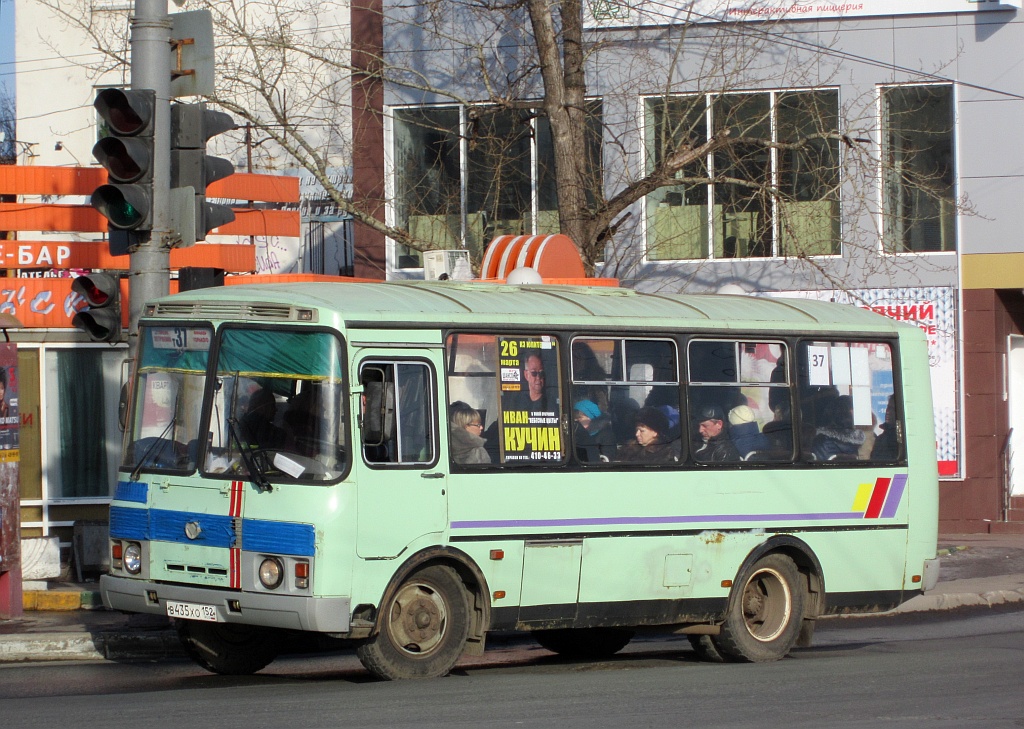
[422,302]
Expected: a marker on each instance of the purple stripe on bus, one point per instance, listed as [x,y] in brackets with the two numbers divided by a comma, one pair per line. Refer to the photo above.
[646,520]
[892,501]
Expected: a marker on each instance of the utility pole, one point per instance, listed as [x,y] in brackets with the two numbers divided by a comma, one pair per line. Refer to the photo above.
[150,261]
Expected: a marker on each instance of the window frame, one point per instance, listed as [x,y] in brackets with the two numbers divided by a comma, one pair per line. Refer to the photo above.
[707,230]
[887,177]
[431,414]
[531,220]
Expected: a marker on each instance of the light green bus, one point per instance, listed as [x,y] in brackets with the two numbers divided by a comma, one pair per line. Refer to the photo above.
[409,466]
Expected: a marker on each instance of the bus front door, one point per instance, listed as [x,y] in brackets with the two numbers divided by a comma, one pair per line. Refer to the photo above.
[401,488]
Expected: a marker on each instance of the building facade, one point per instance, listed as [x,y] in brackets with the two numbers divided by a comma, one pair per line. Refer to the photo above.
[873,159]
[68,387]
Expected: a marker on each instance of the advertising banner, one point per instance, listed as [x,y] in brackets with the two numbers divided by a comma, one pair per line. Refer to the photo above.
[628,13]
[529,403]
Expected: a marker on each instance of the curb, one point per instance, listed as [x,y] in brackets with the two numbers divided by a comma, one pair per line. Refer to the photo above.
[949,601]
[61,600]
[84,646]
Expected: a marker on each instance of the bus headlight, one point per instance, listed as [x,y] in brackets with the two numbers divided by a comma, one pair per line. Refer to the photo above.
[271,573]
[132,558]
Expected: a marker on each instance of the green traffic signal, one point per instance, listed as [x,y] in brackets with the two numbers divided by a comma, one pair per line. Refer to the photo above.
[127,154]
[125,206]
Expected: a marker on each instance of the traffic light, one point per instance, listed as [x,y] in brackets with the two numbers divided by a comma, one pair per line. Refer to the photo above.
[126,201]
[102,319]
[192,126]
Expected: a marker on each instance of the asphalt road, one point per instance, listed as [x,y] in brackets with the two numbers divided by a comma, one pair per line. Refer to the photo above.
[959,668]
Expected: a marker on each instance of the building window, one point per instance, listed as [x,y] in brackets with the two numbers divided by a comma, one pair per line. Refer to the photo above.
[774,191]
[84,442]
[464,175]
[918,169]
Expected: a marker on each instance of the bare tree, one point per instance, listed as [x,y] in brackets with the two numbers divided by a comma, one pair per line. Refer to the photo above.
[8,127]
[706,150]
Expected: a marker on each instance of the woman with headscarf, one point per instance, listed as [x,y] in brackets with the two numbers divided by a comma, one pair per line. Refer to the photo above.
[651,444]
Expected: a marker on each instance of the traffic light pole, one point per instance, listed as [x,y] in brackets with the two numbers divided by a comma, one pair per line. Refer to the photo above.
[150,261]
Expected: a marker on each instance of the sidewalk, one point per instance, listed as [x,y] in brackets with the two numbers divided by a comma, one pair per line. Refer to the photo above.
[70,622]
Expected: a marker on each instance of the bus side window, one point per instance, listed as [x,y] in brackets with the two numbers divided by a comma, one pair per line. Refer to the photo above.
[397,413]
[848,402]
[744,385]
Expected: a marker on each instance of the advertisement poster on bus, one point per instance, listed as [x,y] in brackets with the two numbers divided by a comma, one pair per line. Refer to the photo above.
[933,309]
[529,380]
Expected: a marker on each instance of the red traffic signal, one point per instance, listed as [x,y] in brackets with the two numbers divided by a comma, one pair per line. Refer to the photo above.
[101,320]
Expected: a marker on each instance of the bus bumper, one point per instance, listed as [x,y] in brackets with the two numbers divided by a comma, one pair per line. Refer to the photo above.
[294,612]
[931,574]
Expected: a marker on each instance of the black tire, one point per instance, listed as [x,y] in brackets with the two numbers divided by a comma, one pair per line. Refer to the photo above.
[705,648]
[423,628]
[585,643]
[766,609]
[228,648]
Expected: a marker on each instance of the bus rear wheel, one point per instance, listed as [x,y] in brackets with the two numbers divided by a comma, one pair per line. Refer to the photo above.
[586,643]
[423,628]
[227,648]
[765,612]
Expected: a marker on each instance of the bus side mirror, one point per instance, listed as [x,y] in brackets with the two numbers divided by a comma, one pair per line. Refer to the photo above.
[122,408]
[378,424]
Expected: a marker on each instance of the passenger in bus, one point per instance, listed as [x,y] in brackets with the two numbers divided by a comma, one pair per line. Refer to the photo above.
[466,443]
[779,431]
[258,426]
[651,445]
[744,432]
[837,438]
[887,446]
[716,446]
[592,432]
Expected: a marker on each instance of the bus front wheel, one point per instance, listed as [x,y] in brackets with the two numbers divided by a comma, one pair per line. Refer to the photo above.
[423,628]
[227,648]
[765,612]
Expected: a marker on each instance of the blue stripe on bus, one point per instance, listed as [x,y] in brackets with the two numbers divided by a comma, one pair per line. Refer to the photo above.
[258,535]
[129,523]
[648,520]
[278,537]
[131,491]
[169,526]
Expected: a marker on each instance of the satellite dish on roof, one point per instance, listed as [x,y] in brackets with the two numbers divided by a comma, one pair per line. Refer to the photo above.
[524,275]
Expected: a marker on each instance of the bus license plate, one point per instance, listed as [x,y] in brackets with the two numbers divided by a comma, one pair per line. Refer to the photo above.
[191,611]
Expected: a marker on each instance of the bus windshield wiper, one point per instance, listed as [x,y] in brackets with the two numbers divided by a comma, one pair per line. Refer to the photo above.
[160,440]
[256,473]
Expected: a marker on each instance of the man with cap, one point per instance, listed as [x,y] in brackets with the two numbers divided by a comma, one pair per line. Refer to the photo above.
[653,443]
[716,446]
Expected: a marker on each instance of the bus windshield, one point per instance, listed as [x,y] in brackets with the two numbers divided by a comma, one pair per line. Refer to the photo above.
[276,412]
[168,399]
[277,407]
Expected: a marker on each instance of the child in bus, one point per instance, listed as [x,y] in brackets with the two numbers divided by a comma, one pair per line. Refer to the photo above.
[466,442]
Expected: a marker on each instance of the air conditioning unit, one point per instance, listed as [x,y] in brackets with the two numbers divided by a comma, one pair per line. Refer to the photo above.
[452,264]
